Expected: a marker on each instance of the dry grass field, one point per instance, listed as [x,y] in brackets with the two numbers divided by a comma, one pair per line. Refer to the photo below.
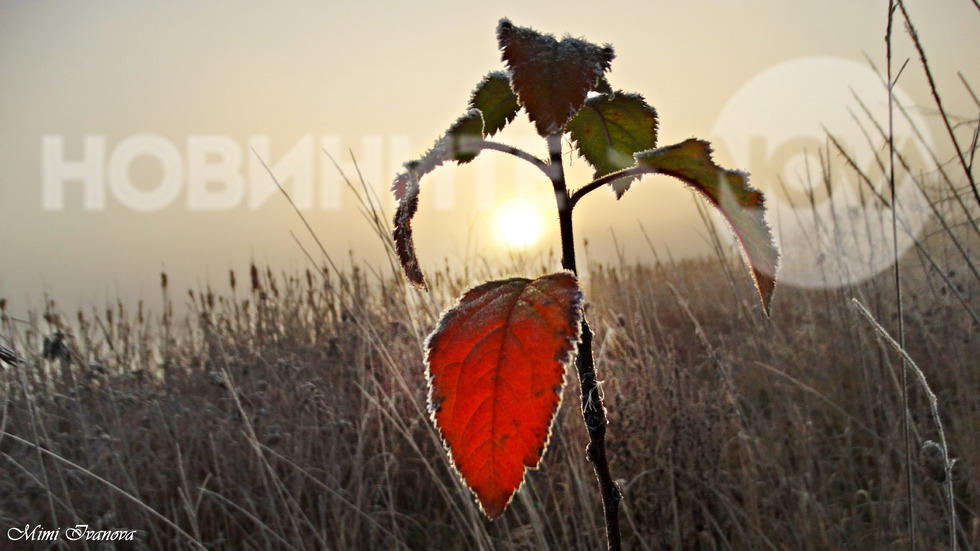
[287,411]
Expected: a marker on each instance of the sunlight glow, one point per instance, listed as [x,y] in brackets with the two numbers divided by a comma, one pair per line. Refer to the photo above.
[518,224]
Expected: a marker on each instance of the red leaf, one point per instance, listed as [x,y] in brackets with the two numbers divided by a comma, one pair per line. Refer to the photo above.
[496,371]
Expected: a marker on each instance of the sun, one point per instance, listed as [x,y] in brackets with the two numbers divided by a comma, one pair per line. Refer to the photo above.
[518,224]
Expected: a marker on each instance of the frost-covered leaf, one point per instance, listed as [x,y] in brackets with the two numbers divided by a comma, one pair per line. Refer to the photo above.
[496,366]
[408,204]
[551,77]
[458,144]
[603,86]
[609,129]
[466,132]
[496,100]
[730,192]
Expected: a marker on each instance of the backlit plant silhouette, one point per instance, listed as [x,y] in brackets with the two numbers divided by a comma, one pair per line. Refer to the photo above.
[496,360]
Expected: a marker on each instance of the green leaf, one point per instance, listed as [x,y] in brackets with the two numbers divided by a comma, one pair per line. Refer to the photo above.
[466,132]
[551,77]
[460,144]
[730,192]
[609,129]
[496,100]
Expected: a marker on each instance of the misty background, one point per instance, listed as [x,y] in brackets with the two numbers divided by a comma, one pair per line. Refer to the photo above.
[381,81]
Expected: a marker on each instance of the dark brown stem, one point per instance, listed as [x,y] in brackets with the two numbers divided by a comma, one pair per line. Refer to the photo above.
[592,409]
[510,150]
[935,94]
[601,181]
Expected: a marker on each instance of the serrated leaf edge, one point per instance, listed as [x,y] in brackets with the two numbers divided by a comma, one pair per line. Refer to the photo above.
[566,360]
[591,102]
[505,33]
[406,185]
[765,282]
[509,118]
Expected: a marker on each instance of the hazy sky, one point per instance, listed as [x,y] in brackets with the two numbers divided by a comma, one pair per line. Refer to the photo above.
[127,128]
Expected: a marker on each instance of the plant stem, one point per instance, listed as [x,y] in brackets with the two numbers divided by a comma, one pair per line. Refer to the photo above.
[906,413]
[592,409]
